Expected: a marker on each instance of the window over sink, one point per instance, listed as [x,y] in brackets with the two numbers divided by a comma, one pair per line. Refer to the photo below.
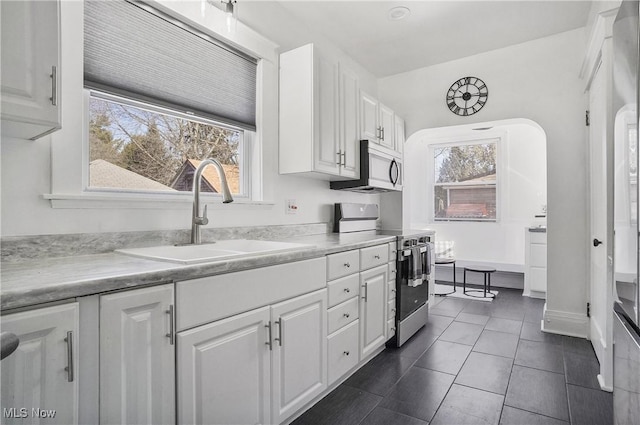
[465,181]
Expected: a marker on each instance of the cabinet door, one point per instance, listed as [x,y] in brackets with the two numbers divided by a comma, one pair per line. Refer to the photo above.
[368,117]
[349,137]
[399,134]
[36,384]
[30,67]
[327,156]
[387,125]
[373,287]
[299,357]
[137,357]
[223,371]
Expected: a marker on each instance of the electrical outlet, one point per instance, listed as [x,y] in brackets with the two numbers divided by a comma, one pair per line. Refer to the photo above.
[291,206]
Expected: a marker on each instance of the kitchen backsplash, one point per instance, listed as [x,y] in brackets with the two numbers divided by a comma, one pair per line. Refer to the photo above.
[19,248]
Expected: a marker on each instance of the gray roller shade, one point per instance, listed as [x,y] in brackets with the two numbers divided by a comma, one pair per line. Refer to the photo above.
[132,52]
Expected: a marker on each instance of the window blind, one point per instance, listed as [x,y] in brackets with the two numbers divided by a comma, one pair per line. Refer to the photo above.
[132,51]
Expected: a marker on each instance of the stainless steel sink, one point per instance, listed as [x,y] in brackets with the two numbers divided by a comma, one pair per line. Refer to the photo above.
[220,250]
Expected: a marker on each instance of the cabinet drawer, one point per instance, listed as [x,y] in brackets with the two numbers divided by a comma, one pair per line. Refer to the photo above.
[342,289]
[342,315]
[342,351]
[391,309]
[538,237]
[391,328]
[373,256]
[391,291]
[392,272]
[393,251]
[342,264]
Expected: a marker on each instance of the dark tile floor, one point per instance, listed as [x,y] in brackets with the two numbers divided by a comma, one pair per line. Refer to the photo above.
[475,362]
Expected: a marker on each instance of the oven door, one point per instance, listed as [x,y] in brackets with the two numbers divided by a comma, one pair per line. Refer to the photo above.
[409,298]
[385,170]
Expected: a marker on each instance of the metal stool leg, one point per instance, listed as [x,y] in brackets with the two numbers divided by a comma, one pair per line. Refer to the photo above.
[485,285]
[454,276]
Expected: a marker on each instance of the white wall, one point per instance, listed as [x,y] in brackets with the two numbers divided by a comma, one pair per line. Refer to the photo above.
[521,187]
[28,174]
[537,80]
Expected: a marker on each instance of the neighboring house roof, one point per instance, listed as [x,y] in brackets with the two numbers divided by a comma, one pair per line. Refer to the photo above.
[488,179]
[211,181]
[105,174]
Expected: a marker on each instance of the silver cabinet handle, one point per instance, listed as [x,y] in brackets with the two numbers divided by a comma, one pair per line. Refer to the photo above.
[268,326]
[339,153]
[54,85]
[365,292]
[382,128]
[171,333]
[377,257]
[280,338]
[346,353]
[346,315]
[347,264]
[344,159]
[347,290]
[69,368]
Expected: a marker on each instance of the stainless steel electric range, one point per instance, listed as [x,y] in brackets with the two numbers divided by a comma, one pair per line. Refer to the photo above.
[414,265]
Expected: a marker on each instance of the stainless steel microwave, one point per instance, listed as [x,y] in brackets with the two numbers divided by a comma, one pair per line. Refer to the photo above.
[380,171]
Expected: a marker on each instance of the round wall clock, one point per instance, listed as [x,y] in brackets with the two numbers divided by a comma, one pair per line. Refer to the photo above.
[467,96]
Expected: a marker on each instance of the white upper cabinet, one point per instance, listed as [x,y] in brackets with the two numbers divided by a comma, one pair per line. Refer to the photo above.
[30,67]
[318,115]
[399,134]
[378,123]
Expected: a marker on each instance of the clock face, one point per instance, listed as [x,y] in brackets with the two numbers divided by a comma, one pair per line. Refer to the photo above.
[467,96]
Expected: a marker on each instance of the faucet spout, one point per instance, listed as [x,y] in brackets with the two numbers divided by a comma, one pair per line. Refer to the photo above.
[196,219]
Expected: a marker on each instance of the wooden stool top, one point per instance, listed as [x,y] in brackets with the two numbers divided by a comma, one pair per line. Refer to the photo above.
[480,269]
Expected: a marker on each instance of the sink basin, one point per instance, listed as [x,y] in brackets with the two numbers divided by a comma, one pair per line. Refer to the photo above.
[220,250]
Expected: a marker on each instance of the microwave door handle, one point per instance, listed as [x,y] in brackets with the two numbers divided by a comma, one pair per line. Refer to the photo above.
[394,172]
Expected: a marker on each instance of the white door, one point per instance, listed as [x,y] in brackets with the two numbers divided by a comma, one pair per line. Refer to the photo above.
[387,127]
[37,386]
[223,371]
[373,306]
[299,357]
[368,118]
[326,132]
[137,357]
[350,142]
[601,186]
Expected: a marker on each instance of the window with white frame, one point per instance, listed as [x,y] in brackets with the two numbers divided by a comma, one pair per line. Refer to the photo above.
[465,177]
[163,96]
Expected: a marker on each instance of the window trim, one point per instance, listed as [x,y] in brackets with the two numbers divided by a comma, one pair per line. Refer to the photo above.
[489,138]
[68,174]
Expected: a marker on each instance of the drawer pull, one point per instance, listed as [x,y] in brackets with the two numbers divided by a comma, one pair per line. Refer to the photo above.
[393,290]
[346,315]
[171,334]
[393,310]
[69,368]
[268,326]
[377,257]
[346,353]
[347,290]
[347,265]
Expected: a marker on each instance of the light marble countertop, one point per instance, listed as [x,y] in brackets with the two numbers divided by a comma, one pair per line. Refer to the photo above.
[37,281]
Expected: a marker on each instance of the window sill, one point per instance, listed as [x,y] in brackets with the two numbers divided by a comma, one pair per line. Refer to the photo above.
[97,200]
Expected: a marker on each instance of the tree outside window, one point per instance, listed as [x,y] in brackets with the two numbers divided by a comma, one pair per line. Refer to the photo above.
[465,182]
[132,148]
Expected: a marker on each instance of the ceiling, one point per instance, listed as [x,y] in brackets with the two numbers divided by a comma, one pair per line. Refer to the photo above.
[434,32]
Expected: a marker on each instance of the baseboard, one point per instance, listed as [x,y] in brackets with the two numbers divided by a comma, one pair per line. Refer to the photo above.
[565,323]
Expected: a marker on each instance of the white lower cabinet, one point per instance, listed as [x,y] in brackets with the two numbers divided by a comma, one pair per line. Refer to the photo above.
[256,367]
[224,372]
[373,306]
[137,357]
[39,379]
[343,351]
